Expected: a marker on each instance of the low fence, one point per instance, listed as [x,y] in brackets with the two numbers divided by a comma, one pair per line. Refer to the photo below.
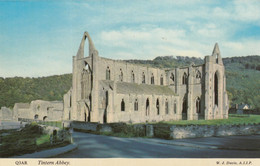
[169,131]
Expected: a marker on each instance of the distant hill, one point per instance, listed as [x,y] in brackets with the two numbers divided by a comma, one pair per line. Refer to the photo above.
[18,89]
[168,61]
[243,81]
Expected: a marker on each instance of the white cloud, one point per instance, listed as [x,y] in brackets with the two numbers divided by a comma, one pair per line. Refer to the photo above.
[144,35]
[247,10]
[241,48]
[149,43]
[146,44]
[239,10]
[210,30]
[221,13]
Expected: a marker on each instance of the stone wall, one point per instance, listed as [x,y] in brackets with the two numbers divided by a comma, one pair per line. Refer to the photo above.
[6,114]
[169,131]
[54,115]
[134,130]
[84,126]
[194,131]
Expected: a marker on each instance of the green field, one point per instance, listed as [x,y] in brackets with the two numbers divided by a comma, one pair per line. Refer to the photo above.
[51,123]
[43,139]
[232,120]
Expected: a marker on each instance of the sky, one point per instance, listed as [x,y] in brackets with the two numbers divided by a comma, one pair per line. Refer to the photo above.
[39,38]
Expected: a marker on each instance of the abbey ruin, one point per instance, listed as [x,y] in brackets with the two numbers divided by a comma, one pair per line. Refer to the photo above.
[106,91]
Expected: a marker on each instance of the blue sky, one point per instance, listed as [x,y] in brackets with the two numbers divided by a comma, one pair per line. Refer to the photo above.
[39,38]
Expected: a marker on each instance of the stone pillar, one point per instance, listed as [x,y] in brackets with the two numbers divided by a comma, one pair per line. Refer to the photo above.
[177,81]
[109,107]
[94,114]
[74,89]
[190,102]
[221,93]
[209,60]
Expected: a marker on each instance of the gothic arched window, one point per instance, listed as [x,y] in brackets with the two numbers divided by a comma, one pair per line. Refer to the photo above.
[147,111]
[122,105]
[143,78]
[158,107]
[136,105]
[108,74]
[152,79]
[121,75]
[166,107]
[198,107]
[133,77]
[36,116]
[216,88]
[172,78]
[184,79]
[198,76]
[161,80]
[175,107]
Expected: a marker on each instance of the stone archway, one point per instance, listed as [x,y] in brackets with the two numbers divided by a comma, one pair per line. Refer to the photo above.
[198,108]
[36,117]
[44,118]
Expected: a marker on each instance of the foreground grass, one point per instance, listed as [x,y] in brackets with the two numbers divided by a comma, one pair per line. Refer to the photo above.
[51,123]
[43,139]
[232,120]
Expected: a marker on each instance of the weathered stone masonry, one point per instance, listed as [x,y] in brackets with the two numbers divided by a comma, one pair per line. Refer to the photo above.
[106,91]
[39,110]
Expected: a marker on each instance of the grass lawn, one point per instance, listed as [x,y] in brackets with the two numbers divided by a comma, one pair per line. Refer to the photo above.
[232,120]
[43,139]
[52,123]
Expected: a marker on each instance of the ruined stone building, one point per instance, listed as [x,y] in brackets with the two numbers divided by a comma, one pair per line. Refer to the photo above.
[39,110]
[6,114]
[105,90]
